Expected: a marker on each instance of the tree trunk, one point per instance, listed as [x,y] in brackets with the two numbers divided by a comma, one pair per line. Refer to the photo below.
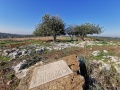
[82,37]
[71,38]
[54,37]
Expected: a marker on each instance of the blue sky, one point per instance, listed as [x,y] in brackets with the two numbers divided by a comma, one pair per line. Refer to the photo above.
[21,16]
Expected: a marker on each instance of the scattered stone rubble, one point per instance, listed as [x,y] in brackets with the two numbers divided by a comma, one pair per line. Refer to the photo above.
[95,53]
[35,48]
[111,61]
[105,71]
[20,66]
[20,72]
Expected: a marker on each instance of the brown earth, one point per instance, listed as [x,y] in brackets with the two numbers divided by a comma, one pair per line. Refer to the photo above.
[70,82]
[17,45]
[35,38]
[55,55]
[24,40]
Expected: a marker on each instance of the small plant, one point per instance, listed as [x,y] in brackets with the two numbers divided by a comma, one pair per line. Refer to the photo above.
[9,75]
[99,56]
[88,46]
[101,42]
[4,58]
[111,53]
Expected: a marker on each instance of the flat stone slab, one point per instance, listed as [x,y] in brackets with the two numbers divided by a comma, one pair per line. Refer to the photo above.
[49,72]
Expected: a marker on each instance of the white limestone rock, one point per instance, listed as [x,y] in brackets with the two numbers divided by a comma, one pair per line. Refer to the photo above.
[105,51]
[22,73]
[20,66]
[95,53]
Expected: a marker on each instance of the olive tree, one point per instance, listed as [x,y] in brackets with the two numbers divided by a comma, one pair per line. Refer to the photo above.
[84,29]
[50,26]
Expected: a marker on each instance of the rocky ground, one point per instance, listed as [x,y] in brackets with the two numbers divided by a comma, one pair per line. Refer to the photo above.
[102,59]
[73,81]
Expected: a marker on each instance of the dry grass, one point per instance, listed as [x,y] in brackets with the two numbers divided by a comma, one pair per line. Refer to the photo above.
[37,38]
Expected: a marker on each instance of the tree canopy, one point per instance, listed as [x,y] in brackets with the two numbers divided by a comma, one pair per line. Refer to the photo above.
[50,26]
[84,29]
[54,26]
[87,28]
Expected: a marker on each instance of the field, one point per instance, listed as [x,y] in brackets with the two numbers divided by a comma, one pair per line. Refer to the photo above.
[101,56]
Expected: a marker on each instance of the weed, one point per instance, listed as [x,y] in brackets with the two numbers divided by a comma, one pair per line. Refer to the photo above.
[88,46]
[101,42]
[9,75]
[99,56]
[4,58]
[111,53]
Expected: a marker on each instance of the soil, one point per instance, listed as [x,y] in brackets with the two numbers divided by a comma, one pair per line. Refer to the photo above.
[17,45]
[35,38]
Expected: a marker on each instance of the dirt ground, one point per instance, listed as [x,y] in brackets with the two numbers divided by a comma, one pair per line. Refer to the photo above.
[53,56]
[36,38]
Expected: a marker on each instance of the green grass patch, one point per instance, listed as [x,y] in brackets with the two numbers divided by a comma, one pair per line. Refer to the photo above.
[111,53]
[102,42]
[9,75]
[4,58]
[88,46]
[7,42]
[105,60]
[39,43]
[100,56]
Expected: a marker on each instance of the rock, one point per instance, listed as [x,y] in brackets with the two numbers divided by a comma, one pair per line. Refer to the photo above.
[114,59]
[9,82]
[117,68]
[13,50]
[105,51]
[6,52]
[24,52]
[13,55]
[72,81]
[101,65]
[20,66]
[39,63]
[29,52]
[22,73]
[19,53]
[40,50]
[49,48]
[104,66]
[95,53]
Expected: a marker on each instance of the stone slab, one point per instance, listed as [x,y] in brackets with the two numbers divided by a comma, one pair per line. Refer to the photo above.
[49,72]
